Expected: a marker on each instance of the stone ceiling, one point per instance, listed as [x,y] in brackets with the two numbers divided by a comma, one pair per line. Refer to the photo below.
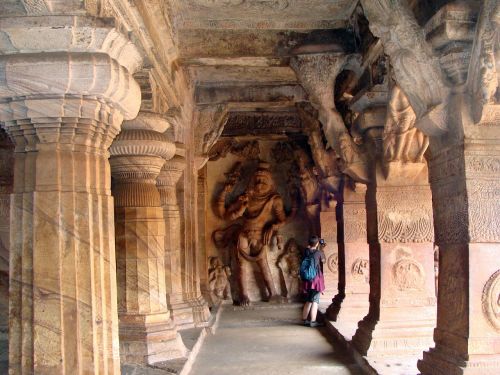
[237,51]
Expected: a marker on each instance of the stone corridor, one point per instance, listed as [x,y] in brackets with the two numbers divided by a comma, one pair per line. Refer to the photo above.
[270,340]
[162,158]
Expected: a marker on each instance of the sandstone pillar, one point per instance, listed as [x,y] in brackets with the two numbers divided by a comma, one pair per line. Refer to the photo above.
[147,333]
[63,109]
[465,181]
[400,232]
[6,181]
[202,217]
[328,223]
[351,305]
[167,183]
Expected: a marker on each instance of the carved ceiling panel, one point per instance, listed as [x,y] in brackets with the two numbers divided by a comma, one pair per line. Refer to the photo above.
[261,14]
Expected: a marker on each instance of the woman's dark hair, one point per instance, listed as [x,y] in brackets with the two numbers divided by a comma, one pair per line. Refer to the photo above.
[313,240]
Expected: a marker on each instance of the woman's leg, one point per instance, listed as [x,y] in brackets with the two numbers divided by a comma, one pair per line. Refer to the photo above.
[305,311]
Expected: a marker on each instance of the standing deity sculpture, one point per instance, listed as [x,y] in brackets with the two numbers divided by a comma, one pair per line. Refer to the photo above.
[260,213]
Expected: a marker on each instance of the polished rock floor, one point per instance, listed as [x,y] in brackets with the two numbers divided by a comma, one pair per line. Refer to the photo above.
[269,340]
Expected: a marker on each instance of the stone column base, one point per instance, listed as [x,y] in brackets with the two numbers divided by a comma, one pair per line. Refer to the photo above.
[201,313]
[401,337]
[149,339]
[438,362]
[182,315]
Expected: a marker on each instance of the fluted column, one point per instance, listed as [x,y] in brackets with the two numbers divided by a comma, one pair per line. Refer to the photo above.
[167,183]
[62,101]
[147,332]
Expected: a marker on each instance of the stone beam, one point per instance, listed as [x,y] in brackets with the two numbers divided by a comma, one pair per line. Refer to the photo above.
[257,93]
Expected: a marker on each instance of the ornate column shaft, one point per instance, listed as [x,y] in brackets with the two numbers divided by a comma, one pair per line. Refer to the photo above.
[167,183]
[147,333]
[401,236]
[329,227]
[62,101]
[202,217]
[351,305]
[465,176]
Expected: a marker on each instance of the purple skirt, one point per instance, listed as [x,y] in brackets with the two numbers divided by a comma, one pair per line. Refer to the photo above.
[318,283]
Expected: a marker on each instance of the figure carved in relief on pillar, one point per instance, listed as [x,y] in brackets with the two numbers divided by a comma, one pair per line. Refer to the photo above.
[218,279]
[260,209]
[289,264]
[310,190]
[402,141]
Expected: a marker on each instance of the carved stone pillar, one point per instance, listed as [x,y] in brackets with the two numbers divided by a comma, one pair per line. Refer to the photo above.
[167,183]
[351,305]
[465,180]
[202,217]
[147,333]
[63,109]
[328,223]
[6,182]
[400,232]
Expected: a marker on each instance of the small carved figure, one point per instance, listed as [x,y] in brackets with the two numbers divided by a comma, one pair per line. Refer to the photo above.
[289,264]
[261,209]
[218,279]
[400,135]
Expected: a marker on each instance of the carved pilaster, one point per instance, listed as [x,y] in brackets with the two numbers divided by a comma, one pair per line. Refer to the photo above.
[63,109]
[147,333]
[167,183]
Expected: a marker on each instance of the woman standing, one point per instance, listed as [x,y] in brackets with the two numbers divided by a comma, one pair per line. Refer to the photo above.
[314,287]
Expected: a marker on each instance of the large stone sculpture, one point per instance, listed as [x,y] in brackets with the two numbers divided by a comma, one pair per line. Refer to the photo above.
[262,213]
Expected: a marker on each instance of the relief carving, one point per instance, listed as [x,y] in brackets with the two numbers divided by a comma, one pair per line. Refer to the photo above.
[333,263]
[484,208]
[257,5]
[289,264]
[210,122]
[246,150]
[218,279]
[407,273]
[402,141]
[416,69]
[483,73]
[360,270]
[411,223]
[257,215]
[353,159]
[491,300]
[354,224]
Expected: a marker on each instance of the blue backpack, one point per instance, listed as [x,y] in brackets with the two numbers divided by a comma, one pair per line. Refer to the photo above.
[308,268]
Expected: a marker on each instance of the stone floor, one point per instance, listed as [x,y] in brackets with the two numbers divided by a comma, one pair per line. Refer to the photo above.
[269,339]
